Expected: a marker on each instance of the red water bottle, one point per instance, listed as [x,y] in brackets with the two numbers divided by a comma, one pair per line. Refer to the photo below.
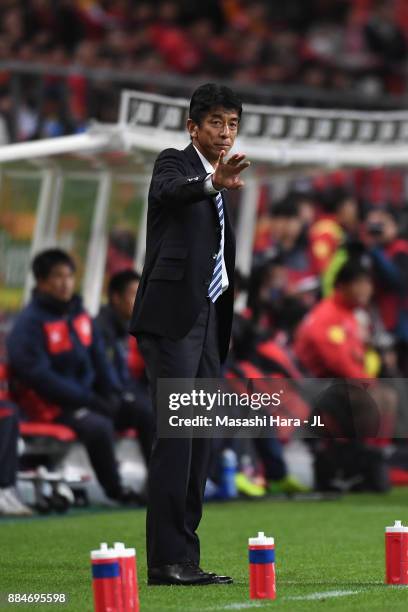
[128,573]
[261,552]
[106,580]
[396,554]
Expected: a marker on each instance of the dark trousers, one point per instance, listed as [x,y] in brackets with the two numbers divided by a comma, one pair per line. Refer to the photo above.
[178,467]
[8,444]
[97,433]
[270,452]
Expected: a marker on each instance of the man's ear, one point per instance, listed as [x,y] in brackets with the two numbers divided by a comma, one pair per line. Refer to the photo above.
[192,128]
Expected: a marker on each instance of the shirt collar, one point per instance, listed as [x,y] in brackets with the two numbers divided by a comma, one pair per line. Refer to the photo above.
[208,167]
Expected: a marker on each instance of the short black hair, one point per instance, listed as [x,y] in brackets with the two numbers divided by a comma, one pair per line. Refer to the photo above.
[333,198]
[286,208]
[354,269]
[119,281]
[43,263]
[210,96]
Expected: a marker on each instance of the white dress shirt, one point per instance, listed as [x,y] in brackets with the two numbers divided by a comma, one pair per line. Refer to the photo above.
[209,188]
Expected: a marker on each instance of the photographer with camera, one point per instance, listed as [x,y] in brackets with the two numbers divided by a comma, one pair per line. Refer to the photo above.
[389,255]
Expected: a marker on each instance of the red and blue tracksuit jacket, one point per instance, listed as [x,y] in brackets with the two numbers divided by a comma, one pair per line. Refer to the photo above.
[56,358]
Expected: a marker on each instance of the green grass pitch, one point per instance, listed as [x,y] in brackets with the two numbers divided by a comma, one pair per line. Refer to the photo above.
[329,555]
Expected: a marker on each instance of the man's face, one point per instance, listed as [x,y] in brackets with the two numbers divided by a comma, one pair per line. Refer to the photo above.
[381,227]
[359,292]
[59,284]
[123,302]
[347,213]
[292,229]
[216,132]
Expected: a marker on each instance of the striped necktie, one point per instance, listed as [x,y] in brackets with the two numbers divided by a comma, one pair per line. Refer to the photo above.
[215,288]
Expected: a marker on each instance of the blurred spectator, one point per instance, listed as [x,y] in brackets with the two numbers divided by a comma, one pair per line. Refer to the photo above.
[59,372]
[10,504]
[328,342]
[268,449]
[390,258]
[121,250]
[383,35]
[325,45]
[290,241]
[278,299]
[266,293]
[333,341]
[249,352]
[338,220]
[123,354]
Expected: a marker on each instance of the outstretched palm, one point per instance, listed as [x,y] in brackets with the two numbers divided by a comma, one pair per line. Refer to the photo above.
[227,174]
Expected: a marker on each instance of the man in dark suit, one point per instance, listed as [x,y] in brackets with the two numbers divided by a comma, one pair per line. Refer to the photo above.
[183,313]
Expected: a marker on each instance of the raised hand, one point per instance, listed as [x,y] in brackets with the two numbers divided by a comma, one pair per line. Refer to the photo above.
[227,174]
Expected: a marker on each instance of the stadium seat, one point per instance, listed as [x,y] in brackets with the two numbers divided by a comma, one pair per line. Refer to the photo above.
[4,390]
[29,429]
[62,433]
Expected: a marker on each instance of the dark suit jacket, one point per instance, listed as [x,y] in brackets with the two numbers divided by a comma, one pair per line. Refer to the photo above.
[183,237]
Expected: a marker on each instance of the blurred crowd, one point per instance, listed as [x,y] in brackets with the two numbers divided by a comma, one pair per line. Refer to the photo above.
[337,45]
[326,298]
[301,244]
[327,294]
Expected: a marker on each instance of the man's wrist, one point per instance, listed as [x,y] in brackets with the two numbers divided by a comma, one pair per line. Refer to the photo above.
[209,187]
[215,185]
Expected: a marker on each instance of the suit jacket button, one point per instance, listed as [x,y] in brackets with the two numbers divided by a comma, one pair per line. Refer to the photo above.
[214,255]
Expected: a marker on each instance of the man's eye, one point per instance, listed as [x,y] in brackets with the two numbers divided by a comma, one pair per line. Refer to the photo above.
[233,126]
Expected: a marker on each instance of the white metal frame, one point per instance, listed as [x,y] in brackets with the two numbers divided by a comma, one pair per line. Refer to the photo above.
[48,207]
[98,244]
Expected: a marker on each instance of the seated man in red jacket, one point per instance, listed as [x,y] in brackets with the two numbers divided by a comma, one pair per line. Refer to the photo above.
[59,371]
[329,341]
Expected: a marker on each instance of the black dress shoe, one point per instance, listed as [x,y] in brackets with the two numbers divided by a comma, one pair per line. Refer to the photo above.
[222,579]
[219,579]
[182,574]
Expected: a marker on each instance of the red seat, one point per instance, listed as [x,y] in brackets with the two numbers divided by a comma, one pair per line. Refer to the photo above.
[59,432]
[127,433]
[48,430]
[4,391]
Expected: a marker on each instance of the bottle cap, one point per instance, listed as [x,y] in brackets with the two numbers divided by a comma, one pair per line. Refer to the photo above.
[261,540]
[121,550]
[398,527]
[104,552]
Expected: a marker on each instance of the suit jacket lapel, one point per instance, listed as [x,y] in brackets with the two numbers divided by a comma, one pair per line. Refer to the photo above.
[194,158]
